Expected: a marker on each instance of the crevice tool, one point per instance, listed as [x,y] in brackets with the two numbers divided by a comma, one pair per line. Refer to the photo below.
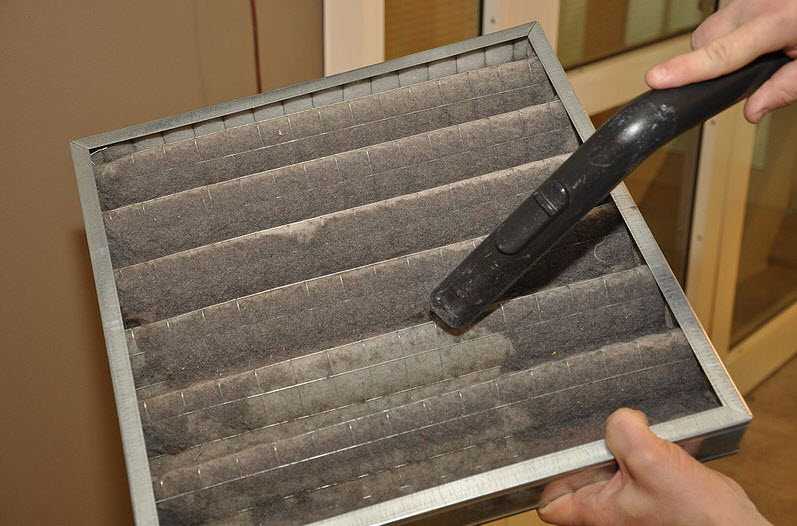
[582,182]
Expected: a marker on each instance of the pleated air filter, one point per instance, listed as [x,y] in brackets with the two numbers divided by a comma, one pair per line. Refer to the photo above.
[264,266]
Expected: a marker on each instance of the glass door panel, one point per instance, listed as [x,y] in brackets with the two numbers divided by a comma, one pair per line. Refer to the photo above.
[767,277]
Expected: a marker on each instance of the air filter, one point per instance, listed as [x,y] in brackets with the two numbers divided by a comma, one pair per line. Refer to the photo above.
[263,269]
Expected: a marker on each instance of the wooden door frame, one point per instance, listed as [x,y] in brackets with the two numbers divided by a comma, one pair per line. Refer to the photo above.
[354,34]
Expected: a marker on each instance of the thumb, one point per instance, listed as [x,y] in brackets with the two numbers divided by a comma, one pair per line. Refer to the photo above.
[639,452]
[635,447]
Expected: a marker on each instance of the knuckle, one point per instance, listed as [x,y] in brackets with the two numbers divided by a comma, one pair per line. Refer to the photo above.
[645,459]
[696,39]
[786,93]
[777,94]
[734,486]
[719,51]
[701,35]
[777,100]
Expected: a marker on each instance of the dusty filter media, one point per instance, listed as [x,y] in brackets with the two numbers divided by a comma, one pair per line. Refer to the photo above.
[264,269]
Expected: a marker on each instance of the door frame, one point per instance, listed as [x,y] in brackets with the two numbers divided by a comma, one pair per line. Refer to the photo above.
[354,34]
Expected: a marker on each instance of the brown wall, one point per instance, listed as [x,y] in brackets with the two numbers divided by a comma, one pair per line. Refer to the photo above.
[297,25]
[70,69]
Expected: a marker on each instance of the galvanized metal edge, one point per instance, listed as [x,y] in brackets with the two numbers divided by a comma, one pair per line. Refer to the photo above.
[296,90]
[695,334]
[135,454]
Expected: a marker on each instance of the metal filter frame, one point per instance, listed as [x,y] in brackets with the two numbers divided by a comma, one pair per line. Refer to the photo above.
[493,494]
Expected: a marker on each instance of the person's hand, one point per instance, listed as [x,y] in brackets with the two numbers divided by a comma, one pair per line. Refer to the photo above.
[658,483]
[733,37]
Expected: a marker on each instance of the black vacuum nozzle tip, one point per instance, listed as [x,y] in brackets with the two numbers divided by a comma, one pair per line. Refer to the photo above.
[444,309]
